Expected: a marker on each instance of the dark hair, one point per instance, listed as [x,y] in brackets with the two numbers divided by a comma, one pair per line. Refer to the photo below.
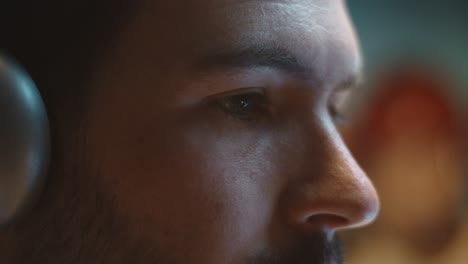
[57,41]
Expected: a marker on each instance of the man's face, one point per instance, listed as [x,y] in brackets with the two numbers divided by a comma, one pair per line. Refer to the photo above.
[211,135]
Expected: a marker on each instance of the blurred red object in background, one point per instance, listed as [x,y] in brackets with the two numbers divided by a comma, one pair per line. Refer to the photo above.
[408,140]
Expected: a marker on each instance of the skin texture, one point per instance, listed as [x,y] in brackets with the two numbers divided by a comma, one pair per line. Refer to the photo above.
[167,168]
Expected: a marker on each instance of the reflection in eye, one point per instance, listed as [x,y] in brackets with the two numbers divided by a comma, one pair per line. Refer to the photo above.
[245,106]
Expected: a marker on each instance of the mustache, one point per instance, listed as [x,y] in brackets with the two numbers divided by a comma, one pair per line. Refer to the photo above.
[316,250]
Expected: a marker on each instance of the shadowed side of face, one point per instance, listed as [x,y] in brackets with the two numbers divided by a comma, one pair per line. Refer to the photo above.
[210,136]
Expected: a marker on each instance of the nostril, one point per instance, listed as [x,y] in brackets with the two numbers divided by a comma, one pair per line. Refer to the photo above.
[325,221]
[329,219]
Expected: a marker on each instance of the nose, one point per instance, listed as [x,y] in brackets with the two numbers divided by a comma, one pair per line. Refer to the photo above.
[335,193]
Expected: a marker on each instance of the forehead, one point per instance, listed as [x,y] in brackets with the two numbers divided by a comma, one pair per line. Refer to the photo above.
[316,32]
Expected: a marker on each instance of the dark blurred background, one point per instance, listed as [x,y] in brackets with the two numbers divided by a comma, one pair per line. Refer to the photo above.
[409,130]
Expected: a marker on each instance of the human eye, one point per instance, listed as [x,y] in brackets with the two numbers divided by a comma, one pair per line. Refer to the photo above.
[244,104]
[339,105]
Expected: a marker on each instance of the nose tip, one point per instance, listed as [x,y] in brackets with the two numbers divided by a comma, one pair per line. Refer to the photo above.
[341,200]
[342,207]
[363,207]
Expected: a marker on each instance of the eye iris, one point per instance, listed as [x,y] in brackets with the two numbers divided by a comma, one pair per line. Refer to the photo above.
[242,106]
[239,104]
[244,103]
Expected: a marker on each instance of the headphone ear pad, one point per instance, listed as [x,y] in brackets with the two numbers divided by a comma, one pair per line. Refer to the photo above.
[24,141]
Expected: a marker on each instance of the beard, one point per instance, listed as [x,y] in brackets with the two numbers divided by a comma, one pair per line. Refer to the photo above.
[317,249]
[79,226]
[76,220]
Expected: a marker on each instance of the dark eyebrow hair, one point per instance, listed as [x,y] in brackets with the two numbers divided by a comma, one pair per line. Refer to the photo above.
[256,56]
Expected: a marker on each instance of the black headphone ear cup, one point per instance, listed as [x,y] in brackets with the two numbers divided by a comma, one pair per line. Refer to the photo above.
[24,141]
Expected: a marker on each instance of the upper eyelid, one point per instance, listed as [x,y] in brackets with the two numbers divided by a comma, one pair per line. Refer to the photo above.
[350,87]
[351,84]
[240,91]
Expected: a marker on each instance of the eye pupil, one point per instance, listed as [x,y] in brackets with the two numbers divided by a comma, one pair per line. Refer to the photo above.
[239,104]
[243,106]
[244,103]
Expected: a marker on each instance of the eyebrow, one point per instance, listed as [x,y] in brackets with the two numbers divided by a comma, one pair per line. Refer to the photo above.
[256,56]
[275,57]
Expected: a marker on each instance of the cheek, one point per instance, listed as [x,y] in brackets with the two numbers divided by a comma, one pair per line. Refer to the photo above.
[193,182]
